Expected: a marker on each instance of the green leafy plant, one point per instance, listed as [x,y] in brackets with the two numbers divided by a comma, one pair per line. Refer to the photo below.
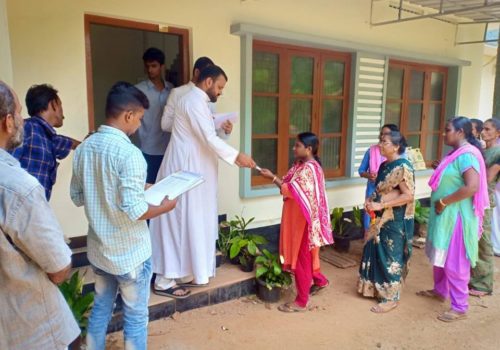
[338,222]
[270,272]
[226,233]
[421,213]
[242,244]
[356,214]
[80,304]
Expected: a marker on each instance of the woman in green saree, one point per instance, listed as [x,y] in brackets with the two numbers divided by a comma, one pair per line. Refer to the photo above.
[388,246]
[481,279]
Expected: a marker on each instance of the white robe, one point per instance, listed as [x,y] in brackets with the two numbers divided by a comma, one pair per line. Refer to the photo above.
[184,239]
[168,117]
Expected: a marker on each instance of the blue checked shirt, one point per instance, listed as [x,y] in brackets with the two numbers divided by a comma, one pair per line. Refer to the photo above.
[41,149]
[109,175]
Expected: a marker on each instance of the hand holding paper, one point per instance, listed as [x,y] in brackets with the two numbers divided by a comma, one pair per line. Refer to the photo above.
[220,118]
[172,186]
[244,161]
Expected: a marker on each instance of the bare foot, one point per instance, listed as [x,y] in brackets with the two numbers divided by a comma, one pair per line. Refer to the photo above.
[431,294]
[382,308]
[452,316]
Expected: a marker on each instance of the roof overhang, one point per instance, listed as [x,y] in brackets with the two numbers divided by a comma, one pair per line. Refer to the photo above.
[456,12]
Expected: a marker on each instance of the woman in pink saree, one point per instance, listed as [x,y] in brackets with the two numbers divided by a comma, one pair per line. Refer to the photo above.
[305,222]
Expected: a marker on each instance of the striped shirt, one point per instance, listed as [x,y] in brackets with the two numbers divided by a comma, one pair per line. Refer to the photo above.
[41,149]
[109,175]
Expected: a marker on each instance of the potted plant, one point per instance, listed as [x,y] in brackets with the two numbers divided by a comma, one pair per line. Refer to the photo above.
[270,277]
[79,303]
[355,227]
[345,229]
[226,233]
[244,246]
[421,219]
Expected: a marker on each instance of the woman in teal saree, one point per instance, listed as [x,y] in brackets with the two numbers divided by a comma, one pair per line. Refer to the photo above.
[388,247]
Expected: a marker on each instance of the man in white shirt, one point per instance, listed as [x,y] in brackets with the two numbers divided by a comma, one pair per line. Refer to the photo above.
[33,255]
[184,241]
[150,138]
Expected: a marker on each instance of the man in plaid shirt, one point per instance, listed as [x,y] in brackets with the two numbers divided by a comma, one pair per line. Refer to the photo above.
[42,146]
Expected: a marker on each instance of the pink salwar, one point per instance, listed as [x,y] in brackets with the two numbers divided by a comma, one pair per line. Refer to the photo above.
[305,277]
[453,279]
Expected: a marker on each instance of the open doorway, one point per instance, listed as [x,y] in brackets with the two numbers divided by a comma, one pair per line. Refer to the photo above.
[114,49]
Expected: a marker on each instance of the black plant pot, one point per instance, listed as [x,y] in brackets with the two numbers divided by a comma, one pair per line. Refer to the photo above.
[248,266]
[271,296]
[354,232]
[342,243]
[235,260]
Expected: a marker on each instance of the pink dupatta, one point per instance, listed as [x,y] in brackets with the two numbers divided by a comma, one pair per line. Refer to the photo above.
[376,159]
[307,185]
[480,200]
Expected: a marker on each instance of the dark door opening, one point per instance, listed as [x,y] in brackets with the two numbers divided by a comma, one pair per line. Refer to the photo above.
[114,51]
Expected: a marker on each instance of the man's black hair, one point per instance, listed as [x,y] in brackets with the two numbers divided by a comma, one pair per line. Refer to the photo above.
[38,98]
[211,72]
[123,96]
[202,63]
[154,54]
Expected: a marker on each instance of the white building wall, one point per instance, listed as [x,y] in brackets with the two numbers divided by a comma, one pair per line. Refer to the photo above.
[47,44]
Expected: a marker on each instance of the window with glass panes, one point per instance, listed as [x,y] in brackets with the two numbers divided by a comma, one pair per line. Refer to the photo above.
[415,101]
[297,89]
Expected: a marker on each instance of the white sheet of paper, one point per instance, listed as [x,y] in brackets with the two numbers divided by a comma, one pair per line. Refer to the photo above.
[220,118]
[172,186]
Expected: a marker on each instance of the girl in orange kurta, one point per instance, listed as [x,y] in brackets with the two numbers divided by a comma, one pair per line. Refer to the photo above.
[305,222]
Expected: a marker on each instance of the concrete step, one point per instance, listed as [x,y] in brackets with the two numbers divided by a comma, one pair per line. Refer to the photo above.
[88,273]
[228,284]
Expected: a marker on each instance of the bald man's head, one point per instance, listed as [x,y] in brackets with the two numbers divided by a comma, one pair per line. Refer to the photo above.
[10,117]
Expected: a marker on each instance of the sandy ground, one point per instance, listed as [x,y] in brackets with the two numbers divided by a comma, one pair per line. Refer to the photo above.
[338,319]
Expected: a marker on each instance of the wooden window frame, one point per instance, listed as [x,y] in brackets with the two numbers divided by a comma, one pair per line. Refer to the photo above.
[284,96]
[123,23]
[426,102]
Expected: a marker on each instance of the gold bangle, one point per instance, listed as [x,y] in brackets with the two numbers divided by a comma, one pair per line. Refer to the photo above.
[442,203]
[274,178]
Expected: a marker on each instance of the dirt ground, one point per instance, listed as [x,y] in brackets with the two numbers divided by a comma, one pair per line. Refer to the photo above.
[338,319]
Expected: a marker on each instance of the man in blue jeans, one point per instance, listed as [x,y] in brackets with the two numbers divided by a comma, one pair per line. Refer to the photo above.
[109,178]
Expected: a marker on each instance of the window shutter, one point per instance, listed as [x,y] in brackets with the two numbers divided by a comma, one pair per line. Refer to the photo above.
[369,83]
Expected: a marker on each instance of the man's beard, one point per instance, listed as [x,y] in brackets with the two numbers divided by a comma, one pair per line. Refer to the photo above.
[17,138]
[212,96]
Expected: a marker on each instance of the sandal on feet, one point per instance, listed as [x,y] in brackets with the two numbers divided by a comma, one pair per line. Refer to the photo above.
[382,308]
[452,316]
[315,289]
[291,307]
[430,294]
[192,284]
[172,292]
[478,293]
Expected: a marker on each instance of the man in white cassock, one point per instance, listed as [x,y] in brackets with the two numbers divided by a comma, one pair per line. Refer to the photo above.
[168,117]
[184,240]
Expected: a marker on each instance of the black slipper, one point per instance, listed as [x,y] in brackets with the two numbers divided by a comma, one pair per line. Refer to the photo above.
[169,292]
[315,289]
[192,284]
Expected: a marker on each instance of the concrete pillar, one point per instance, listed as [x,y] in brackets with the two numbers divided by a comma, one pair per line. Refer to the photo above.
[5,55]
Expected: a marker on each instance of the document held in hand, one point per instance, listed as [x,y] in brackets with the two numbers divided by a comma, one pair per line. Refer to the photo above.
[220,118]
[172,186]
